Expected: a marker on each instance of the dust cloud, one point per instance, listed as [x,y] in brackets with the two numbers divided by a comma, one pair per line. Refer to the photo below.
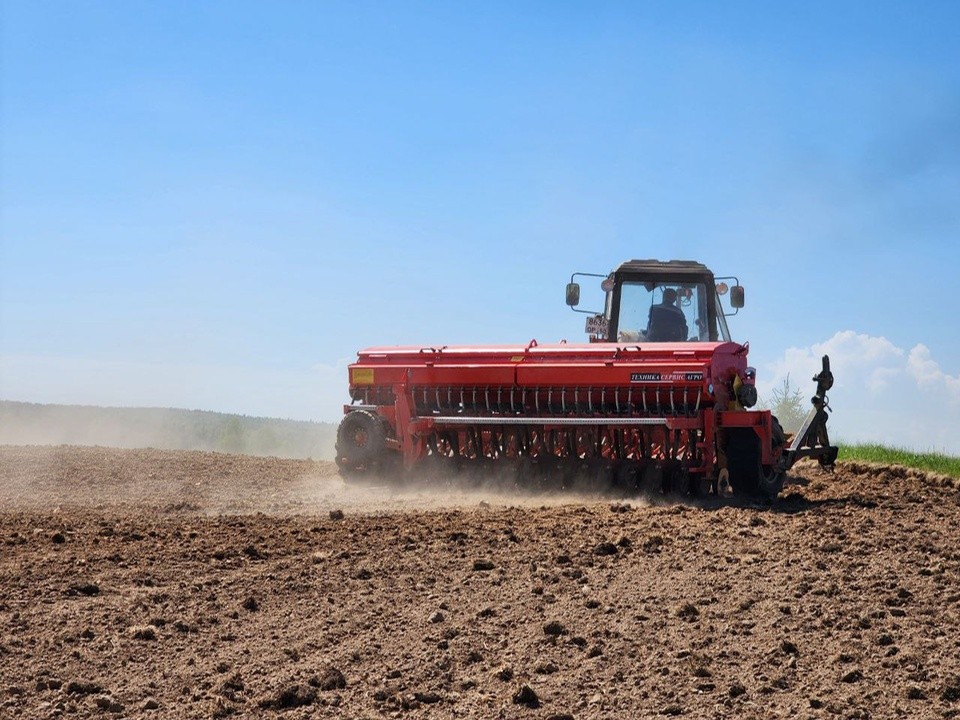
[209,483]
[318,494]
[164,428]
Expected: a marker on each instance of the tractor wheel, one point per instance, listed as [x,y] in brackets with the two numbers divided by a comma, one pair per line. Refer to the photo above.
[770,482]
[748,475]
[772,476]
[361,438]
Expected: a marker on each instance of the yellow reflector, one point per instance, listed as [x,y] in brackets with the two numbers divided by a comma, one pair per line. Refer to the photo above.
[362,376]
[516,358]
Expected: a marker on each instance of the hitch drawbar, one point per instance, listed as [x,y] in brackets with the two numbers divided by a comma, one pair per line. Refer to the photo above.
[812,439]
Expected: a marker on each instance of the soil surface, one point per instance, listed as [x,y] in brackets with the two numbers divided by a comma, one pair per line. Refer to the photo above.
[146,583]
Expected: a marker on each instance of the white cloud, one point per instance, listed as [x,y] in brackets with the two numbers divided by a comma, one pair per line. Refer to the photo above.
[928,374]
[882,393]
[314,393]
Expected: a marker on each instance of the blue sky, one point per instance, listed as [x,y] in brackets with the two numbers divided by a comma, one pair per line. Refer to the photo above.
[214,205]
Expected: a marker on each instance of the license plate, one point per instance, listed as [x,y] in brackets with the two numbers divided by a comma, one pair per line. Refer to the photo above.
[596,325]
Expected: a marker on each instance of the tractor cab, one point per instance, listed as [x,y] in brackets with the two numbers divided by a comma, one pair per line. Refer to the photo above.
[654,301]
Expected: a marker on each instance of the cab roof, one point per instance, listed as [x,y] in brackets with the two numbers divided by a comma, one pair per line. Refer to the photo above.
[666,267]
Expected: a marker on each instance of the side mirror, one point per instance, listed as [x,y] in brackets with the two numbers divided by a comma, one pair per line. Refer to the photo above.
[573,294]
[736,296]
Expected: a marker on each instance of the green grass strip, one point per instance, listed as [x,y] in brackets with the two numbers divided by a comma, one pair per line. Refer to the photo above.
[931,462]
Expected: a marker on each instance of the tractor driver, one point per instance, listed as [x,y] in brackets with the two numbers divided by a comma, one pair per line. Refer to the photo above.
[666,322]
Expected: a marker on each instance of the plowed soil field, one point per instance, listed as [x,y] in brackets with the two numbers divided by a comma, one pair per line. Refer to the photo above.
[147,583]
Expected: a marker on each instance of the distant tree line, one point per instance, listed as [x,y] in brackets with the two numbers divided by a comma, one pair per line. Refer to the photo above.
[165,428]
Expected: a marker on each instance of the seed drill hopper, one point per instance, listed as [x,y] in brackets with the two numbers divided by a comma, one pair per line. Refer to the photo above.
[658,400]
